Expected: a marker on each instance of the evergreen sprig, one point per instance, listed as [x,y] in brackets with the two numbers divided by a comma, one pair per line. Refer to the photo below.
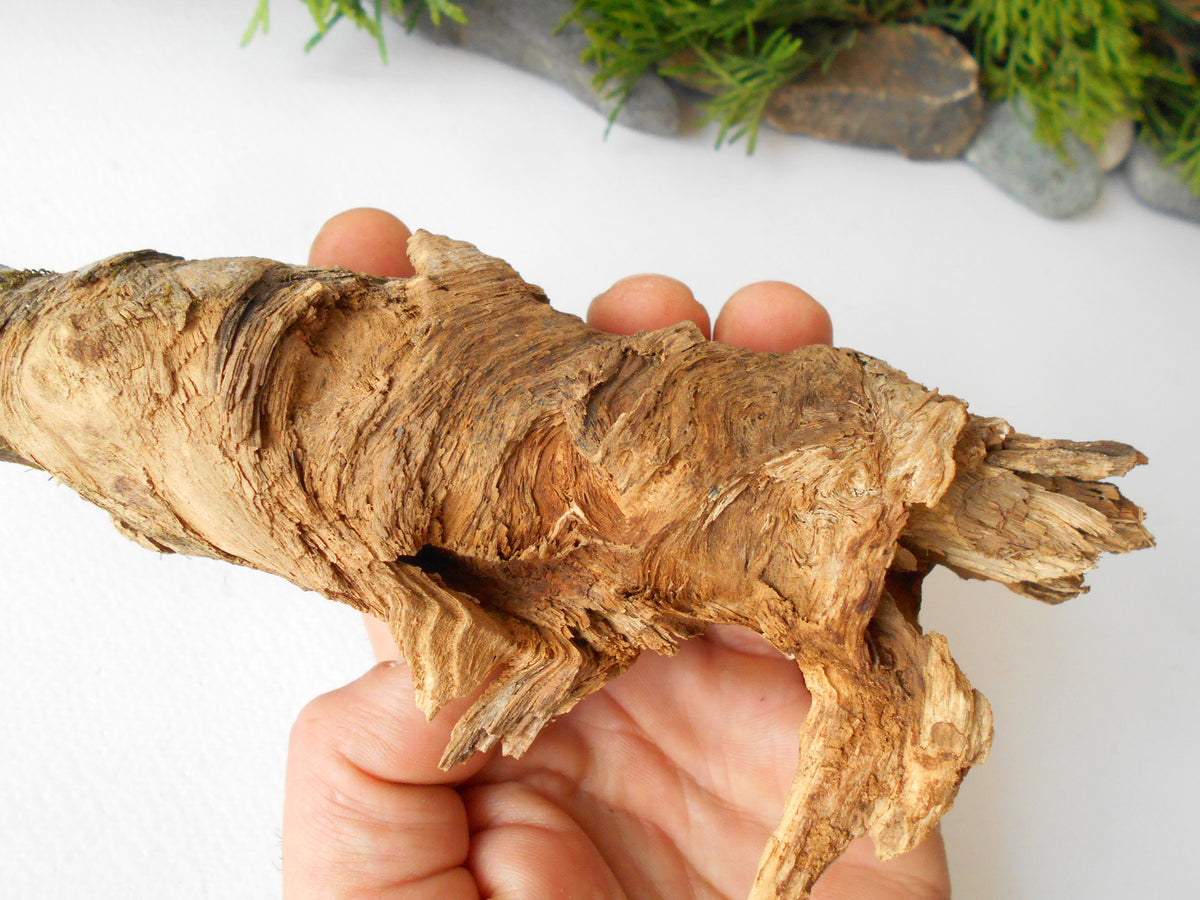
[1172,120]
[327,13]
[742,83]
[738,52]
[1079,65]
[1171,103]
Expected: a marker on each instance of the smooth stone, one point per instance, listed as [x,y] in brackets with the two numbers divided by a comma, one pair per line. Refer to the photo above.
[1158,186]
[1114,149]
[909,87]
[1008,154]
[523,33]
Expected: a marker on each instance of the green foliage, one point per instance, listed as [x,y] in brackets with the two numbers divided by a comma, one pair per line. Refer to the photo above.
[1082,65]
[260,22]
[1079,65]
[327,13]
[1172,120]
[739,51]
[1171,101]
[741,82]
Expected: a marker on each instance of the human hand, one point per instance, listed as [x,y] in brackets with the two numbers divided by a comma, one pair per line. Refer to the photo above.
[664,784]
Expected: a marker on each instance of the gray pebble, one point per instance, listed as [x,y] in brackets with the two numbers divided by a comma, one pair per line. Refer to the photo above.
[1161,187]
[1007,153]
[522,33]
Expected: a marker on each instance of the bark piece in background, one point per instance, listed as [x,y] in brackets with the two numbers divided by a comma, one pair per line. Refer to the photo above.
[907,87]
[530,504]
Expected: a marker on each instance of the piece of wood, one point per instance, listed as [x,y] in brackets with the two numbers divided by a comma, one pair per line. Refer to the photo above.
[529,504]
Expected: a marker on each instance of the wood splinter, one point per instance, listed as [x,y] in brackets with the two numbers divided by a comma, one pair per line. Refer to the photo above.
[530,503]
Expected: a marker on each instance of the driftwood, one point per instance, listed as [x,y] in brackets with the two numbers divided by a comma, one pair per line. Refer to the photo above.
[529,503]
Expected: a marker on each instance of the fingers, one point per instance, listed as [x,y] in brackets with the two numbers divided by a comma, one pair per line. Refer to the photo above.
[366,808]
[645,302]
[525,845]
[374,723]
[769,315]
[920,874]
[380,636]
[364,240]
[773,316]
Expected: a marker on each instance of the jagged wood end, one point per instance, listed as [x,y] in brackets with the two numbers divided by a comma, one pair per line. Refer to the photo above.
[529,526]
[1027,512]
[1030,513]
[882,752]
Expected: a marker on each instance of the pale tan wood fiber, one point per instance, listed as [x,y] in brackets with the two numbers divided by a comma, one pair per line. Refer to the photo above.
[530,504]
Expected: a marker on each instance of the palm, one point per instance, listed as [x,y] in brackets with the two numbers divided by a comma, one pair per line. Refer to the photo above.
[666,783]
[675,772]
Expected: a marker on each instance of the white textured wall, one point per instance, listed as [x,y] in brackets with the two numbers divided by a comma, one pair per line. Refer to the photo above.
[145,702]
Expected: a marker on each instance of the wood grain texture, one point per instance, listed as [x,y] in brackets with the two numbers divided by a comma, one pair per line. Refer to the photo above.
[529,503]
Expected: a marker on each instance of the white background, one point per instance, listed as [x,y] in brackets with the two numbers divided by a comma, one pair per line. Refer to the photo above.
[145,701]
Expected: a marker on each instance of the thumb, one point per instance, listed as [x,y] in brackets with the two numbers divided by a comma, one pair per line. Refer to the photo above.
[366,808]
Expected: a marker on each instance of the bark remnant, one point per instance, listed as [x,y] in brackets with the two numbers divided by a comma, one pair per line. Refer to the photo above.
[530,503]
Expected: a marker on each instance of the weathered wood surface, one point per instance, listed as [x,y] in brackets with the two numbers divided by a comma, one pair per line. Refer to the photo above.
[530,503]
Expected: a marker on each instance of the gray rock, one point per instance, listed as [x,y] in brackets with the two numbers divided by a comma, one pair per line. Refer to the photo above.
[1161,187]
[1006,151]
[523,33]
[908,87]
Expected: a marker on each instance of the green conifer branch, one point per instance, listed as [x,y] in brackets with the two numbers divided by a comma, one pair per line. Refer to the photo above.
[261,22]
[1079,65]
[1172,120]
[327,13]
[740,52]
[1171,104]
